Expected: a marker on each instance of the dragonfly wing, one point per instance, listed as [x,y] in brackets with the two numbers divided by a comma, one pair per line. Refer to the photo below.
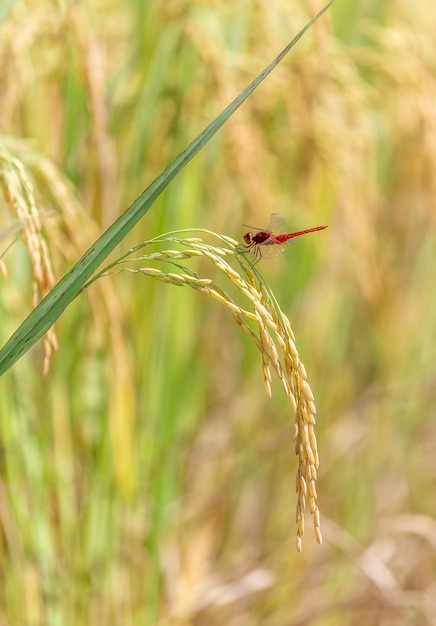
[270,249]
[276,221]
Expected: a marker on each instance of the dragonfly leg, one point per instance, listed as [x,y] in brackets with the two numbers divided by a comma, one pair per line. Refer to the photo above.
[257,255]
[253,249]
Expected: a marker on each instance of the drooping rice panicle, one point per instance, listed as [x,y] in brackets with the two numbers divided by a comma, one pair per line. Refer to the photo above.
[274,336]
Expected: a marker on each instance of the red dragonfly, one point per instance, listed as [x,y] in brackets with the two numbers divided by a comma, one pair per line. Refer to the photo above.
[264,244]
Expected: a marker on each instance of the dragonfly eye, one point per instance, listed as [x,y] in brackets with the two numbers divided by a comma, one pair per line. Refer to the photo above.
[248,237]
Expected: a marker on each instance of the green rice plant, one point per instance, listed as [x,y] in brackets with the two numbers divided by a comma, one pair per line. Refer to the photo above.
[82,535]
[43,317]
[146,479]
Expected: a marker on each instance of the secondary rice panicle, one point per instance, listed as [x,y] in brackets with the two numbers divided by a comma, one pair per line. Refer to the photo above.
[264,322]
[19,193]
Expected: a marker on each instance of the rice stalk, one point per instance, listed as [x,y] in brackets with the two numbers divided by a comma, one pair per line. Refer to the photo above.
[272,335]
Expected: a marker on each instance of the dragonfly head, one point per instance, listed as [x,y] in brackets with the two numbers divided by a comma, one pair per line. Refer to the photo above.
[248,238]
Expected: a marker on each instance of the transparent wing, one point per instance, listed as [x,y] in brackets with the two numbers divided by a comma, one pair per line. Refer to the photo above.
[276,221]
[268,249]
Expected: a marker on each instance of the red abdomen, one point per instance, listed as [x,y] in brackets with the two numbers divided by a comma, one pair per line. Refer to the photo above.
[284,237]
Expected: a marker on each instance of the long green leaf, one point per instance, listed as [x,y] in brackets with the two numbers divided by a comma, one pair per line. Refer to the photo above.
[48,311]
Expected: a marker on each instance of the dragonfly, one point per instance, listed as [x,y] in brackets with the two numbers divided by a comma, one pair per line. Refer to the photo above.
[265,244]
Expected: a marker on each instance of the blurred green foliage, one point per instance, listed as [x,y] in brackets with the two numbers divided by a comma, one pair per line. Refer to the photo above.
[147,478]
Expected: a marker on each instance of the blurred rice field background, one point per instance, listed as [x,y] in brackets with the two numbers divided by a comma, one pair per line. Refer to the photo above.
[147,478]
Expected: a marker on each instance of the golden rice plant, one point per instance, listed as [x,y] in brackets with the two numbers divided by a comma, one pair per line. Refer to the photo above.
[262,320]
